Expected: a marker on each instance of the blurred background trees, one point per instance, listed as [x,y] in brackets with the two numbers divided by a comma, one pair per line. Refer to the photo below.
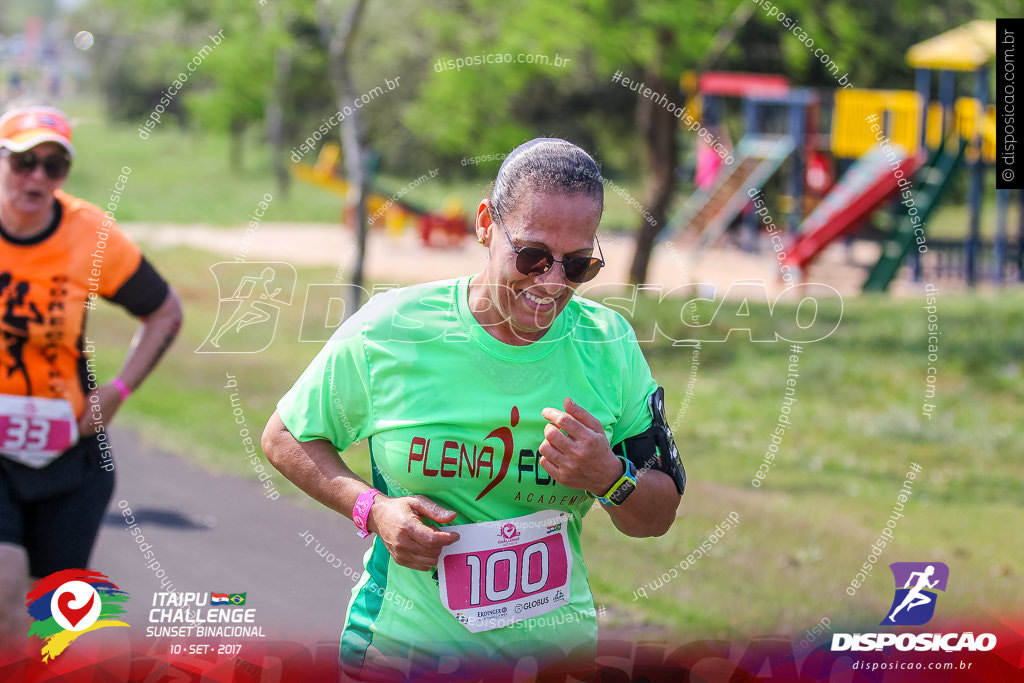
[268,85]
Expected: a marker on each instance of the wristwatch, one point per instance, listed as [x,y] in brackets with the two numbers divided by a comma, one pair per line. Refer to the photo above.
[621,489]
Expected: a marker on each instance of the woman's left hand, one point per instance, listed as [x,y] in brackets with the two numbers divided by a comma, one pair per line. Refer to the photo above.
[100,406]
[576,452]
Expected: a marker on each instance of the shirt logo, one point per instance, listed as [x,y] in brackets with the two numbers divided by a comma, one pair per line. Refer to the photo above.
[456,456]
[505,434]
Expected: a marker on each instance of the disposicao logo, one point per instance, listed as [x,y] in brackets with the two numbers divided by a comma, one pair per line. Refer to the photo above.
[913,605]
[68,603]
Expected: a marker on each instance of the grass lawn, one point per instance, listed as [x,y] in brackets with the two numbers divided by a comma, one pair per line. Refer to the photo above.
[856,427]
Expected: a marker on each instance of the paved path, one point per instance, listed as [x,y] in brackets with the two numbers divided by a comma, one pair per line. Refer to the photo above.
[220,534]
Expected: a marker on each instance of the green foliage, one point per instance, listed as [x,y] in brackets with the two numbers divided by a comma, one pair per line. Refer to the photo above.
[238,70]
[499,105]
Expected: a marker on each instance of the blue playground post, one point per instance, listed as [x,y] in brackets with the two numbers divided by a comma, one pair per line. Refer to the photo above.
[1002,207]
[798,102]
[922,84]
[974,187]
[1020,235]
[750,228]
[946,97]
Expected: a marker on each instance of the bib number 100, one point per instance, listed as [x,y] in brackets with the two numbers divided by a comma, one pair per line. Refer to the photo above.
[515,573]
[489,576]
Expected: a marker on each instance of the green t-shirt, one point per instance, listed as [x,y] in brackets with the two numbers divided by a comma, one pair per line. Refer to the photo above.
[438,398]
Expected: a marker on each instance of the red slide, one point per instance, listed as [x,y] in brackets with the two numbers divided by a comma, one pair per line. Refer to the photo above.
[860,191]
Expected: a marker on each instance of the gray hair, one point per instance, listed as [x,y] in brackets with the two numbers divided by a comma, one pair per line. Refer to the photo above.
[546,165]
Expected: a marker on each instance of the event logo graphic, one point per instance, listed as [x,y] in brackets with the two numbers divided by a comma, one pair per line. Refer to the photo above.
[227,599]
[250,297]
[914,603]
[68,603]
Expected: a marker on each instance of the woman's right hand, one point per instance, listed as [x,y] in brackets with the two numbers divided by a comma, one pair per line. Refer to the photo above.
[398,522]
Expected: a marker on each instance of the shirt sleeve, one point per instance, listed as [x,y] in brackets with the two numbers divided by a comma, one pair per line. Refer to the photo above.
[637,387]
[143,292]
[331,399]
[121,258]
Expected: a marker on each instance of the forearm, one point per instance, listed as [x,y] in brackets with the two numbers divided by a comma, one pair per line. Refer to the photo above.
[650,510]
[313,466]
[154,336]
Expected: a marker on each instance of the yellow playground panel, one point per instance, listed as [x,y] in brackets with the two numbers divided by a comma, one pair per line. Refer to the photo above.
[321,174]
[852,135]
[851,128]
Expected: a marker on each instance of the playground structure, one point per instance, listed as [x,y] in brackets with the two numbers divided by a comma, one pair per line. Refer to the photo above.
[901,145]
[446,228]
[758,155]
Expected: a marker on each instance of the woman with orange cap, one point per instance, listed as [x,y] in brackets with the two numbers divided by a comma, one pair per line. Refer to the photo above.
[57,253]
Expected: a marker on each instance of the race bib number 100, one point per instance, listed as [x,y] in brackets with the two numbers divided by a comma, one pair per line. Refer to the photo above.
[502,572]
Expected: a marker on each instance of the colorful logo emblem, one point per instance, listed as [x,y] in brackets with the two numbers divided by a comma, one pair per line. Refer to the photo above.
[68,603]
[916,583]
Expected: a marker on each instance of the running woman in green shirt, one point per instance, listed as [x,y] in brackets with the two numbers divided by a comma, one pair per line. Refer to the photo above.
[497,408]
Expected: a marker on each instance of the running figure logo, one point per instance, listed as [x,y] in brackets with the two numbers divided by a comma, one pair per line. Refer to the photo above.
[247,317]
[916,583]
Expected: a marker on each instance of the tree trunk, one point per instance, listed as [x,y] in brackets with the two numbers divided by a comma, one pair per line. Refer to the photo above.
[339,40]
[659,130]
[275,118]
[236,148]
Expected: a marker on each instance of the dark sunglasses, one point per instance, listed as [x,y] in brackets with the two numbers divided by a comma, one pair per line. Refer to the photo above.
[536,261]
[55,166]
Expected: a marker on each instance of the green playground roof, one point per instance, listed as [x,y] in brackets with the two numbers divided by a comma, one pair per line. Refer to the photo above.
[964,48]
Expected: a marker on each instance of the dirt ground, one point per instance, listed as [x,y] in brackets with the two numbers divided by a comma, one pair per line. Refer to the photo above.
[404,260]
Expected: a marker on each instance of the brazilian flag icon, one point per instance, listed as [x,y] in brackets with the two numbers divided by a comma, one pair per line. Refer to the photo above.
[237,598]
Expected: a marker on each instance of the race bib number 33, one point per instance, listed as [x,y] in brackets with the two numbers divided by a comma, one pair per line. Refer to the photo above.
[34,430]
[505,571]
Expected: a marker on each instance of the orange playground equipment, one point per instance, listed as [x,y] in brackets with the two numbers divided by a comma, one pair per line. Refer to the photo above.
[392,212]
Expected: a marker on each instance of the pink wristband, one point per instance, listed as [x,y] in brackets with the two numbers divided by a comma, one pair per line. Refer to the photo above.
[122,388]
[361,511]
